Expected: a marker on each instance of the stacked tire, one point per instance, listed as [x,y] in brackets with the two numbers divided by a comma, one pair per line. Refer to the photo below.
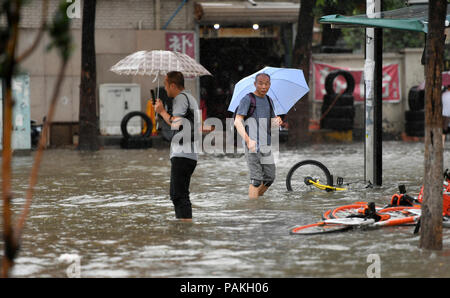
[140,141]
[338,111]
[415,117]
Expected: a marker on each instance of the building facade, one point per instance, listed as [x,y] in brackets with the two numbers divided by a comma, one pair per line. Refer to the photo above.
[219,34]
[124,27]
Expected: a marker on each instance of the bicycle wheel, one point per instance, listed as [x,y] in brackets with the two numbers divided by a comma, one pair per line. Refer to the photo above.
[391,216]
[298,175]
[345,211]
[319,228]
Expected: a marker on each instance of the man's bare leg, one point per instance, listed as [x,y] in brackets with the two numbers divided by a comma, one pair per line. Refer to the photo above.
[253,191]
[262,189]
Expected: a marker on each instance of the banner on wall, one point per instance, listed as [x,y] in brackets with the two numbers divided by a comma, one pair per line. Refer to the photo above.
[182,42]
[391,86]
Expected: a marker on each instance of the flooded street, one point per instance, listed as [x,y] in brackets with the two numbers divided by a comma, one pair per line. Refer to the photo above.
[112,209]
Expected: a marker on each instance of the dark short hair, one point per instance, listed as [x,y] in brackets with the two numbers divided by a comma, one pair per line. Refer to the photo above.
[175,77]
[262,74]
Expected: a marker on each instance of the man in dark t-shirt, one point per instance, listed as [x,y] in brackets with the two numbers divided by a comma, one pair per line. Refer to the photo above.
[255,132]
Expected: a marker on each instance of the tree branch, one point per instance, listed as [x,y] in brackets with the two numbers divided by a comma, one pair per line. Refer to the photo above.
[38,157]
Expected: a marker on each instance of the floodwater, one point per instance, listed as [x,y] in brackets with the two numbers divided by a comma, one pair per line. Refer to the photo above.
[111,210]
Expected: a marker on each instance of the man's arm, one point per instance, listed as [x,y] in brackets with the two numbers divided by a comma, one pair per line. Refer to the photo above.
[173,121]
[239,124]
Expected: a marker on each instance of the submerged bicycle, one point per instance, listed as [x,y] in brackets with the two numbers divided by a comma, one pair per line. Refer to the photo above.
[311,173]
[401,210]
[360,215]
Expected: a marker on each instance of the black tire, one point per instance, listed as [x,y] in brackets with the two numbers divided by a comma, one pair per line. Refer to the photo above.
[414,133]
[127,118]
[136,143]
[343,100]
[415,128]
[341,112]
[415,125]
[416,99]
[295,179]
[414,116]
[336,123]
[319,228]
[329,80]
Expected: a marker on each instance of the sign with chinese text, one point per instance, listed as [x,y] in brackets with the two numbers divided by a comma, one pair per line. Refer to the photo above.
[182,42]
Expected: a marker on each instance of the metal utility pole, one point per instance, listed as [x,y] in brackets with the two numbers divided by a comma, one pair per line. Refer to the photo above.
[373,92]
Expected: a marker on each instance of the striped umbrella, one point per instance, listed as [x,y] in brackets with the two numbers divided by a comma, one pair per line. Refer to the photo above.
[159,62]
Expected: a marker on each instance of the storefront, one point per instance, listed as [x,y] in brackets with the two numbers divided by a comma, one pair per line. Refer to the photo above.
[237,39]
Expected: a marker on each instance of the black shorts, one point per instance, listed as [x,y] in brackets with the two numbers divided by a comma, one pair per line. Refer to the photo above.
[180,178]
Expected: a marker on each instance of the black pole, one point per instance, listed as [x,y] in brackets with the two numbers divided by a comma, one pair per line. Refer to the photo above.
[378,108]
[366,174]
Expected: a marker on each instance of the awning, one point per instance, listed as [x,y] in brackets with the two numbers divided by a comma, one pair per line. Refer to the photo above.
[413,18]
[243,12]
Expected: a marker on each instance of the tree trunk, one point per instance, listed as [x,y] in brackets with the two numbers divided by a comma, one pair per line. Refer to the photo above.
[298,116]
[330,36]
[88,134]
[9,46]
[431,219]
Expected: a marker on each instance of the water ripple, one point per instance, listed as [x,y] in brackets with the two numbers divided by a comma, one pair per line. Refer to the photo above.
[113,210]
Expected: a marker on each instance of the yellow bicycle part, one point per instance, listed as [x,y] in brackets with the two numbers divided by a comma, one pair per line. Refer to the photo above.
[323,186]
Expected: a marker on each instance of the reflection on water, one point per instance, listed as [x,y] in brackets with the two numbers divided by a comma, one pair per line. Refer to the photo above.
[111,209]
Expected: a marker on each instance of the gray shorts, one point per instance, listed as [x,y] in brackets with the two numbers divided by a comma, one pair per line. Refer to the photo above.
[261,166]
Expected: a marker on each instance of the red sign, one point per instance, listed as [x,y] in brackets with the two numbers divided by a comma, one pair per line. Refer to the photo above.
[391,86]
[182,42]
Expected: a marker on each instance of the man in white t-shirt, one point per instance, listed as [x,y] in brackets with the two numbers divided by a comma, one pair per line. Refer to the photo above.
[183,157]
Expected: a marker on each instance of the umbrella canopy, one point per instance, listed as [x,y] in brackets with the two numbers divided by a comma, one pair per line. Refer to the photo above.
[413,18]
[287,86]
[159,62]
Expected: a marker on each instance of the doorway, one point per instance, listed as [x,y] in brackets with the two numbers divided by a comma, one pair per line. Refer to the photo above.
[230,60]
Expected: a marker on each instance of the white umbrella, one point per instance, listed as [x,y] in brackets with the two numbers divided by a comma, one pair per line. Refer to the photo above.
[159,62]
[287,86]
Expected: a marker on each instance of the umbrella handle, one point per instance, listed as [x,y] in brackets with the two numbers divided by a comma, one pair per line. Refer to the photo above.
[157,87]
[153,96]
